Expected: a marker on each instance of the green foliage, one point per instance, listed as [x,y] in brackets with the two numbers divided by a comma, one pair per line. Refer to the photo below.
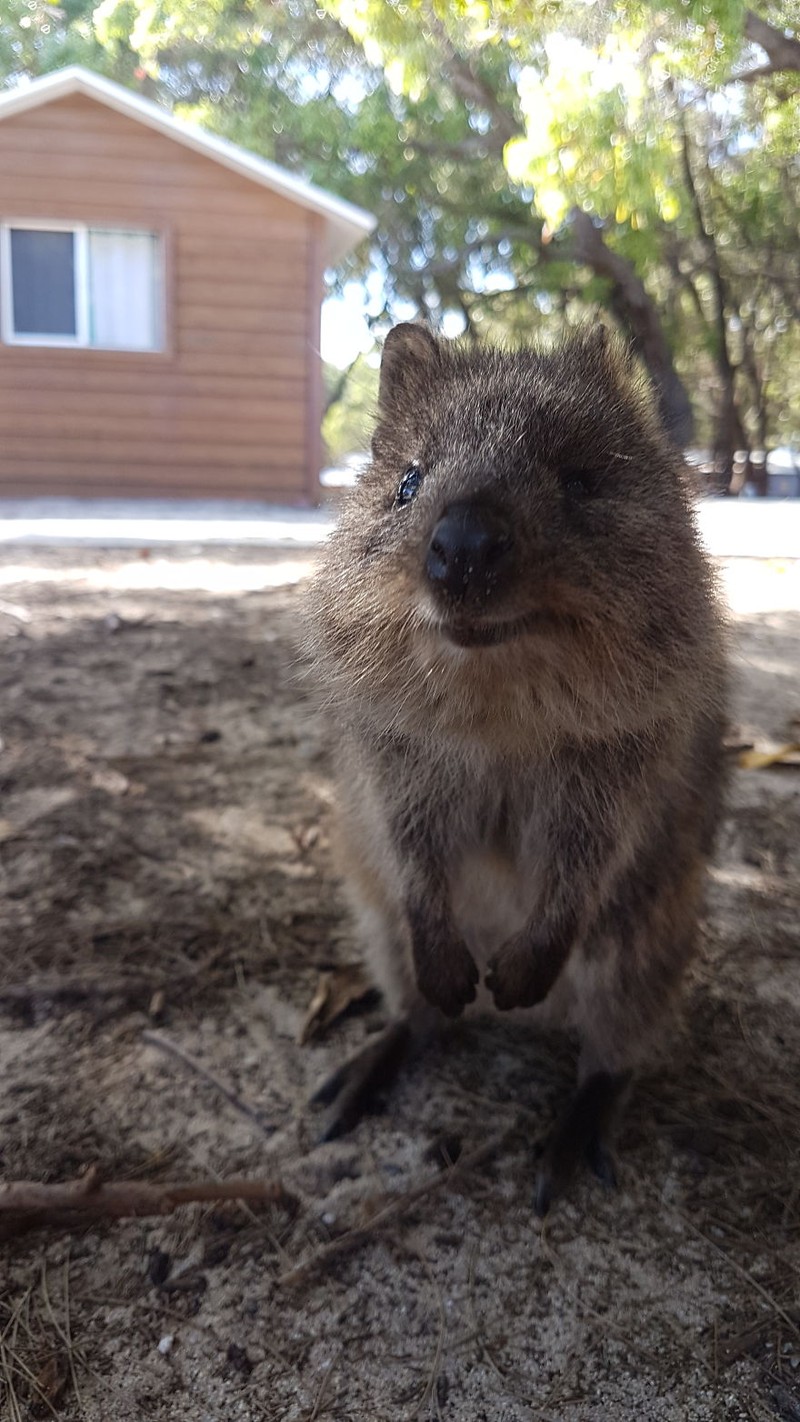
[36,36]
[350,416]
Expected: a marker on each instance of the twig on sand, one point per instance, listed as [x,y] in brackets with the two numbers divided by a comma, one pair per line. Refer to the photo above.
[320,1262]
[72,990]
[13,609]
[88,989]
[777,1308]
[165,1044]
[25,1203]
[478,1333]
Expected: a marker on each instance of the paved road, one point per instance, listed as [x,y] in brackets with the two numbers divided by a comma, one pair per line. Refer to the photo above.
[747,528]
[123,523]
[750,528]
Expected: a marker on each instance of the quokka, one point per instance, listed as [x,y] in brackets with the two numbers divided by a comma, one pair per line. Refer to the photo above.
[518,643]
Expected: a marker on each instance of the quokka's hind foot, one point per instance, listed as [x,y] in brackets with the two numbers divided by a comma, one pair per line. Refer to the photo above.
[356,1087]
[582,1137]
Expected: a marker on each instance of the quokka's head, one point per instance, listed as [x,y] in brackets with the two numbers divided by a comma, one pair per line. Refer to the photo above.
[520,545]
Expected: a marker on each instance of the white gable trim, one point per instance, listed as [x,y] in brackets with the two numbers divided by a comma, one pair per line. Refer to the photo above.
[346,225]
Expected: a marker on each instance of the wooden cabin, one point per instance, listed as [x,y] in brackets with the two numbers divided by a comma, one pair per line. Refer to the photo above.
[160,294]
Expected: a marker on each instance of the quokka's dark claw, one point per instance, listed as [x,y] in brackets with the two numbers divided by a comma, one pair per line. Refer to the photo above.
[601,1163]
[581,1137]
[353,1089]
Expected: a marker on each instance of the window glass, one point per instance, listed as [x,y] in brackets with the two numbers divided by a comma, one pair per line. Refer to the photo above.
[78,286]
[43,282]
[122,291]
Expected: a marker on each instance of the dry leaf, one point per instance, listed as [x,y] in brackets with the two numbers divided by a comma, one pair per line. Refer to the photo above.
[336,991]
[25,809]
[112,781]
[774,755]
[51,1379]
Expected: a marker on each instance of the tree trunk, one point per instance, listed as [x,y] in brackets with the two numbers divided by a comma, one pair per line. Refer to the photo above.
[729,433]
[632,307]
[639,318]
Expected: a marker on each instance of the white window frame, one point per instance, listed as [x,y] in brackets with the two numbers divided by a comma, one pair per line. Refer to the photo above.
[80,341]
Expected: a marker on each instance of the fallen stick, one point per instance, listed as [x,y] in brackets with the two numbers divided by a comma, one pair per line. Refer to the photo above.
[29,1202]
[12,609]
[81,989]
[319,1262]
[165,1044]
[71,990]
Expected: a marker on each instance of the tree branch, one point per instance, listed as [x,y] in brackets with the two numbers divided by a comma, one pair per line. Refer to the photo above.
[637,313]
[782,50]
[319,1263]
[473,90]
[730,433]
[27,1203]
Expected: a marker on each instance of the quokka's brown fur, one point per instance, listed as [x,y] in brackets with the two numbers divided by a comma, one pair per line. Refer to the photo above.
[528,771]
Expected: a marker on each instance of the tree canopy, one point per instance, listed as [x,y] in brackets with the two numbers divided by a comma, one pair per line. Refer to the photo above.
[528,160]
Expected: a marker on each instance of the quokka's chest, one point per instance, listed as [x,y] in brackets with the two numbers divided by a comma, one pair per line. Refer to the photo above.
[491,831]
[492,897]
[496,876]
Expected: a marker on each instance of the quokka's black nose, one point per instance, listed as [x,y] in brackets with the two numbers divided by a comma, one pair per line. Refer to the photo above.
[470,550]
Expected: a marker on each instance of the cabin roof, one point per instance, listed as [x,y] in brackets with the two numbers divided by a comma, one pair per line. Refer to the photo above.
[346,225]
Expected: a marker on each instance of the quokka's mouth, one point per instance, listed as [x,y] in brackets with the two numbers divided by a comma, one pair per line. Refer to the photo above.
[494,634]
[480,634]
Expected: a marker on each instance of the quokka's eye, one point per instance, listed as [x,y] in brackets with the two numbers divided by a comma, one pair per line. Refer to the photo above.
[409,486]
[578,483]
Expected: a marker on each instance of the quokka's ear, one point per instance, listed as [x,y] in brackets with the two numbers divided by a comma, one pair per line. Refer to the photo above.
[606,354]
[596,339]
[411,357]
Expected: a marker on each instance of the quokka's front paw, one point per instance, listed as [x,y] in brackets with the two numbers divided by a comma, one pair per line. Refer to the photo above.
[447,975]
[523,972]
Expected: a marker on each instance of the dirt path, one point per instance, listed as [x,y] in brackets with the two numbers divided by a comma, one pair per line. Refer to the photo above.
[163,830]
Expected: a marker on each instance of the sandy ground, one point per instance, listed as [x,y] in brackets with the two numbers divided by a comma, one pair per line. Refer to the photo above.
[166,883]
